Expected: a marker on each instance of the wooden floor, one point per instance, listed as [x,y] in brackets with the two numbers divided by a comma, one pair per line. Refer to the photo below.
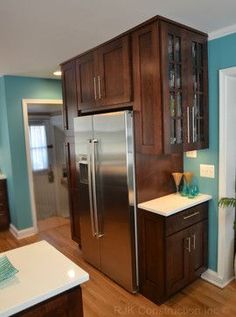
[103,298]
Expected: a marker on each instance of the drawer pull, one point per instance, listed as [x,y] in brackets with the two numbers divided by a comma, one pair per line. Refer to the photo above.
[192,215]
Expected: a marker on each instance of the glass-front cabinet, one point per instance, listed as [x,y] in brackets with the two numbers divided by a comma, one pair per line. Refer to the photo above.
[184,87]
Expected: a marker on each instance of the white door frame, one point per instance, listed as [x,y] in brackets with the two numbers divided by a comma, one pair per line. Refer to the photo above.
[25,103]
[225,217]
[225,273]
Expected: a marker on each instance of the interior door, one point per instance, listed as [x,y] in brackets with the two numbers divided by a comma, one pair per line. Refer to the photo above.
[83,127]
[114,75]
[115,196]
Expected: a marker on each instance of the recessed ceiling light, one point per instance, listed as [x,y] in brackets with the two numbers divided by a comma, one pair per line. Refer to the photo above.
[57,73]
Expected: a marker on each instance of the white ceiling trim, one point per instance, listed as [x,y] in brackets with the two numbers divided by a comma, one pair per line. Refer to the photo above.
[222,32]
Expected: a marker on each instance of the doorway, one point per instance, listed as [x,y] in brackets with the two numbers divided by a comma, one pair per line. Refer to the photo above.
[227,173]
[45,138]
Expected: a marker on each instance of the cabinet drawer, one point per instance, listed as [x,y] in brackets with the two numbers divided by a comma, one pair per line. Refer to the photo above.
[3,206]
[186,218]
[3,185]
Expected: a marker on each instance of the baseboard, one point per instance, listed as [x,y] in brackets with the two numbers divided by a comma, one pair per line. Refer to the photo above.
[213,278]
[21,234]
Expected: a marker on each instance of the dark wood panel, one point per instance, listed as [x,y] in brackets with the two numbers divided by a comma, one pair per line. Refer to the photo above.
[75,215]
[199,249]
[67,304]
[153,175]
[147,101]
[4,210]
[186,218]
[70,110]
[70,161]
[87,89]
[114,75]
[151,256]
[177,262]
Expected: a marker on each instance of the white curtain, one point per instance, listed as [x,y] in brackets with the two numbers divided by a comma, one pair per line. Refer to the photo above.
[38,147]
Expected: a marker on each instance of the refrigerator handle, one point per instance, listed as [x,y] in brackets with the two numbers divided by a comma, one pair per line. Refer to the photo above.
[97,229]
[90,189]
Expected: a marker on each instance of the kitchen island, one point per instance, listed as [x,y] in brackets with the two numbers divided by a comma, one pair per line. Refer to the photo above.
[47,284]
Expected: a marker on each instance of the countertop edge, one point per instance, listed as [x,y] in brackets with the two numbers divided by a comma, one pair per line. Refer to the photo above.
[34,301]
[191,203]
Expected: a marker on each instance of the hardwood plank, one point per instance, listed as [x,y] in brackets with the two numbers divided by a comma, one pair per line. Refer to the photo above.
[103,298]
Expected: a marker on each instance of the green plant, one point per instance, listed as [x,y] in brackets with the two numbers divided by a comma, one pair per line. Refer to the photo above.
[228,202]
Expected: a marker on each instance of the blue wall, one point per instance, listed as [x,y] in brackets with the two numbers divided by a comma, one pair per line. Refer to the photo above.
[222,54]
[16,89]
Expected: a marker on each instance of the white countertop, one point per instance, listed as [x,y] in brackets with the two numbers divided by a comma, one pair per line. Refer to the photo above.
[173,203]
[2,176]
[43,273]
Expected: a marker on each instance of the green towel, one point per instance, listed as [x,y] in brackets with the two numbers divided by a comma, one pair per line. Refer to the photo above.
[7,270]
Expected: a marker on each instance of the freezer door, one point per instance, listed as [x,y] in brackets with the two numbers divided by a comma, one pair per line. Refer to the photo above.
[83,127]
[115,196]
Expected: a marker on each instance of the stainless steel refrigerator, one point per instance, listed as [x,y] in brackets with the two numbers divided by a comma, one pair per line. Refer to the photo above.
[106,183]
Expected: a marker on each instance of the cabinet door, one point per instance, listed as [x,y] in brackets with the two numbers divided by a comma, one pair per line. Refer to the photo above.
[174,74]
[87,88]
[197,87]
[114,74]
[147,93]
[178,248]
[70,110]
[199,249]
[70,162]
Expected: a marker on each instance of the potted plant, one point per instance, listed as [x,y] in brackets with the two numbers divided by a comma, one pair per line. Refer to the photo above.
[230,202]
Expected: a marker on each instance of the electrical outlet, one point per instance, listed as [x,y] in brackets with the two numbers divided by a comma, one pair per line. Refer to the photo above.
[191,154]
[207,170]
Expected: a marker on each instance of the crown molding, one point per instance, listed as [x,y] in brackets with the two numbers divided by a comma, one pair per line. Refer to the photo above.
[222,32]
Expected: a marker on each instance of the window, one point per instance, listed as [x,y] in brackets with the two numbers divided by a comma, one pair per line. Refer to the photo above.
[38,147]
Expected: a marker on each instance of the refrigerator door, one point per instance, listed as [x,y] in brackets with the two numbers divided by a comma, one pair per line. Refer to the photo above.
[83,127]
[113,151]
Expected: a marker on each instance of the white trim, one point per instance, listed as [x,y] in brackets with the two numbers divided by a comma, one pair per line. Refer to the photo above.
[21,234]
[25,103]
[222,32]
[213,278]
[225,256]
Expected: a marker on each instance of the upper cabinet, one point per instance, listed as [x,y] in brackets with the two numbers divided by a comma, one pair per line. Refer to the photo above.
[69,95]
[147,100]
[185,88]
[160,70]
[104,76]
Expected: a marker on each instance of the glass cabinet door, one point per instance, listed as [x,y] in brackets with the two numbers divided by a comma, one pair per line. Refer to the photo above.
[198,121]
[173,98]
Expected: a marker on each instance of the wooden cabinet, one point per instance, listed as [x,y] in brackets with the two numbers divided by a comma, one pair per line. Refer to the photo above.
[72,188]
[4,210]
[147,100]
[172,250]
[104,76]
[184,87]
[70,110]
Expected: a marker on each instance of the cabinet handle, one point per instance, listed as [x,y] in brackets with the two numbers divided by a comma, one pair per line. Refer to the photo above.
[194,241]
[99,88]
[189,244]
[2,214]
[192,215]
[193,124]
[94,87]
[188,124]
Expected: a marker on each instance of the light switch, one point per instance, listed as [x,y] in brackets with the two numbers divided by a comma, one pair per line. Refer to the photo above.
[207,170]
[191,154]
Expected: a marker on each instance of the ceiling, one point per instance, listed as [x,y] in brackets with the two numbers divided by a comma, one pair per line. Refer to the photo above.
[37,35]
